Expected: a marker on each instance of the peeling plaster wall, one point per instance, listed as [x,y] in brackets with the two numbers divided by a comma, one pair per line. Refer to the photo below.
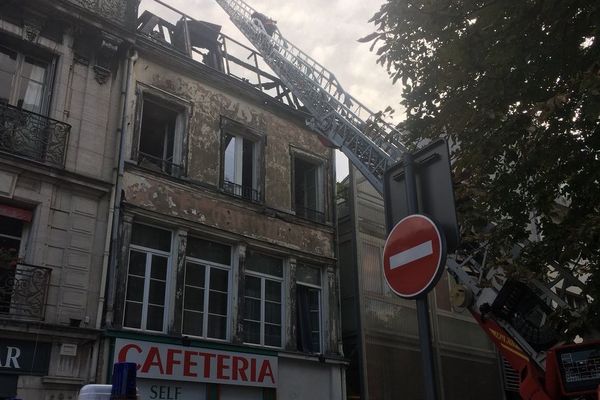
[214,210]
[208,207]
[209,104]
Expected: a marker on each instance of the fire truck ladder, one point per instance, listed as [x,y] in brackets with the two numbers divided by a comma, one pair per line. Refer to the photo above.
[370,143]
[373,145]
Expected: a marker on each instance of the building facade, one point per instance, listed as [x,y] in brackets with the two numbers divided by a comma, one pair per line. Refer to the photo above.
[60,74]
[225,281]
[380,331]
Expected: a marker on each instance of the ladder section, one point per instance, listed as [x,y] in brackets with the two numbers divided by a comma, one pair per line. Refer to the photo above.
[370,143]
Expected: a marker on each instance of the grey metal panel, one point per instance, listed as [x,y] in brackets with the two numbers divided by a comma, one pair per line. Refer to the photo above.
[434,190]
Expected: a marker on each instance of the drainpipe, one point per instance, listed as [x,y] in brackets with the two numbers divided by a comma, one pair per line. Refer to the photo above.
[112,237]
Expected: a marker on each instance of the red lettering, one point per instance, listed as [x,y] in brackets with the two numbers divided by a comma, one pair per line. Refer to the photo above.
[266,371]
[122,357]
[188,363]
[171,360]
[153,359]
[207,357]
[236,368]
[252,370]
[222,367]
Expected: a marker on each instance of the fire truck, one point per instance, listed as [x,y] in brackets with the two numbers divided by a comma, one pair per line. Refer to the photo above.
[514,315]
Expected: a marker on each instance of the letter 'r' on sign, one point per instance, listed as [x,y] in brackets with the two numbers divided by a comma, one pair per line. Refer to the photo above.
[414,256]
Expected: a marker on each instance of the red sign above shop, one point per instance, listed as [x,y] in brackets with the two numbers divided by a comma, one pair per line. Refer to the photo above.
[193,364]
[414,256]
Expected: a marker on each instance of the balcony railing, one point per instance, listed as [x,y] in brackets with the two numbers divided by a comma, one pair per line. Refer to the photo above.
[311,214]
[23,291]
[33,136]
[245,192]
[158,164]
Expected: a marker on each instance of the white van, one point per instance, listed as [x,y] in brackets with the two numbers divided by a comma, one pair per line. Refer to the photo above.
[95,392]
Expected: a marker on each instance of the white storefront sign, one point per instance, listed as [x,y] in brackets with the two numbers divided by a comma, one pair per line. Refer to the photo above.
[170,390]
[193,364]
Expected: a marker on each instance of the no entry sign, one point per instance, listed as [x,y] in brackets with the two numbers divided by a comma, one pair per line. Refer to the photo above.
[414,256]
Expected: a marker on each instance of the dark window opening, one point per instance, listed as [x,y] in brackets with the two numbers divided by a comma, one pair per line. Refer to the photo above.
[10,241]
[158,135]
[308,308]
[308,190]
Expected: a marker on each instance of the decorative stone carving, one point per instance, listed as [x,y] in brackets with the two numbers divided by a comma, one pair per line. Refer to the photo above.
[106,57]
[32,26]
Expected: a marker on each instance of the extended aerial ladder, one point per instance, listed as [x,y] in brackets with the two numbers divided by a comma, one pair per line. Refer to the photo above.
[513,315]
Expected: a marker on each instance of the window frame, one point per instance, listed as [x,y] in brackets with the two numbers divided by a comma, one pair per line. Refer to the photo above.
[263,278]
[322,182]
[209,266]
[24,51]
[319,288]
[184,110]
[147,278]
[240,131]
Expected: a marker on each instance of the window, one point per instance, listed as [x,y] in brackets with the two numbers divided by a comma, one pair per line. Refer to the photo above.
[240,161]
[308,308]
[147,279]
[23,80]
[308,189]
[263,300]
[11,231]
[206,284]
[161,136]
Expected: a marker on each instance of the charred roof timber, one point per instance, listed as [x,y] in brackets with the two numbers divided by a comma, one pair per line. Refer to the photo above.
[203,42]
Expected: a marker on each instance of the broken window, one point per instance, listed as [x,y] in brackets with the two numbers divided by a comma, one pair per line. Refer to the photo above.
[205,295]
[147,287]
[263,312]
[240,162]
[308,189]
[161,136]
[308,308]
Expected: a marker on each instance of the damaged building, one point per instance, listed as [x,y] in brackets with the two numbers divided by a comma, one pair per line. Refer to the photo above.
[162,202]
[224,282]
[60,75]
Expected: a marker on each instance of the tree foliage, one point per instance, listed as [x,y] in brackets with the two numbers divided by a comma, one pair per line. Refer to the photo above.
[515,85]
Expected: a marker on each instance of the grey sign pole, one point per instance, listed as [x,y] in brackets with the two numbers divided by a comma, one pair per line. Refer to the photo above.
[422,303]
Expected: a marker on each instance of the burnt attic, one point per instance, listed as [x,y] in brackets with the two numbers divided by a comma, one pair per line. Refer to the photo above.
[205,43]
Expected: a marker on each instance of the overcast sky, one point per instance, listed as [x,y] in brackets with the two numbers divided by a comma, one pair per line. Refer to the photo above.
[327,30]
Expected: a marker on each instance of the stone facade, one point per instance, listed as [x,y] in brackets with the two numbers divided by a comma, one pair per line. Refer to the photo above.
[58,124]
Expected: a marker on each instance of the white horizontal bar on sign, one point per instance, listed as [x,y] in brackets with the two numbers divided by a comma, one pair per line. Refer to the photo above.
[414,253]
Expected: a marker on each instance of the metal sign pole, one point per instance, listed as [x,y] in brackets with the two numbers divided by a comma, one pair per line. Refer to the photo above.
[422,303]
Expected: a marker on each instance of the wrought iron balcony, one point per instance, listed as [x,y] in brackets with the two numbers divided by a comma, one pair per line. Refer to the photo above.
[159,164]
[23,291]
[245,192]
[311,214]
[33,136]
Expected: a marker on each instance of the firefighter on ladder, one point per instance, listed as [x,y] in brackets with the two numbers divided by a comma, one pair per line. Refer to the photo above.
[269,24]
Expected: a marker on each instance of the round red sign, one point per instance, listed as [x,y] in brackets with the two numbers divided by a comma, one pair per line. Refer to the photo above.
[414,256]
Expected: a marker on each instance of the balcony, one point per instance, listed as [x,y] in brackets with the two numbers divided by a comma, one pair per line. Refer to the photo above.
[23,291]
[34,136]
[308,213]
[244,192]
